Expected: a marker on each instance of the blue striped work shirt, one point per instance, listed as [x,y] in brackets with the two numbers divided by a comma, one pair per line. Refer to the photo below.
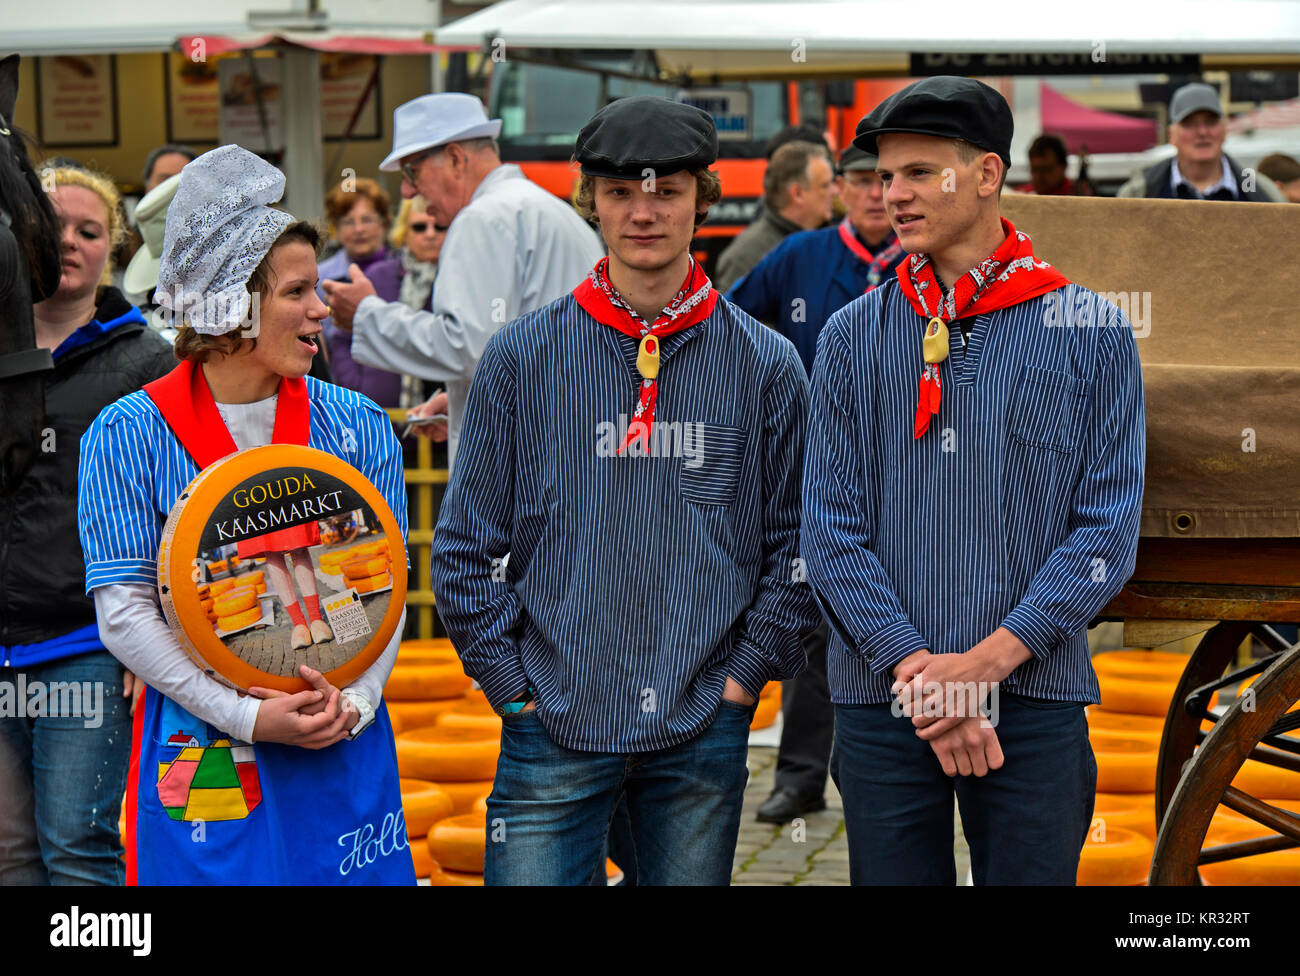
[634,585]
[1018,508]
[133,469]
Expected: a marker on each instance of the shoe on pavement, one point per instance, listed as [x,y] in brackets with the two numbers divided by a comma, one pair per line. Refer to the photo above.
[320,632]
[784,805]
[301,638]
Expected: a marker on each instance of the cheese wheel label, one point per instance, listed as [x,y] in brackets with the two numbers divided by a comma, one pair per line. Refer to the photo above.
[261,537]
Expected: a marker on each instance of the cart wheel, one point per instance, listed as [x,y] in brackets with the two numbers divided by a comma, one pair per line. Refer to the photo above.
[1192,794]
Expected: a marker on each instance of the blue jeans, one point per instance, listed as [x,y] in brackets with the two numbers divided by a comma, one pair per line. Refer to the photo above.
[61,782]
[1025,823]
[550,808]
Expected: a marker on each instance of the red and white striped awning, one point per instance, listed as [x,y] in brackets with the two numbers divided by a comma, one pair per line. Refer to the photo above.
[331,41]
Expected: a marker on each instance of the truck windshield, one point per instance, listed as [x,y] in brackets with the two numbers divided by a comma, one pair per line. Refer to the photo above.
[543,107]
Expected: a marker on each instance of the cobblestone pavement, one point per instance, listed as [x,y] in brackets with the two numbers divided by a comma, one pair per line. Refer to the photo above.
[267,648]
[817,853]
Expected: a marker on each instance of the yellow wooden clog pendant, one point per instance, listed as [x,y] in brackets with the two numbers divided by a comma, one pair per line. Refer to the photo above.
[935,345]
[647,357]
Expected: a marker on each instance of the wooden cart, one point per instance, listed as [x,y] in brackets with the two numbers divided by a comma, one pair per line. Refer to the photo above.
[1240,587]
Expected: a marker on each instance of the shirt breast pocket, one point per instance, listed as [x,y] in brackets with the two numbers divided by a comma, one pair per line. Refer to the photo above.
[1048,409]
[712,475]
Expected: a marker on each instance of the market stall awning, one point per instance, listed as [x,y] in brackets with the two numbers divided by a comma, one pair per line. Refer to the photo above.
[1099,132]
[760,37]
[331,41]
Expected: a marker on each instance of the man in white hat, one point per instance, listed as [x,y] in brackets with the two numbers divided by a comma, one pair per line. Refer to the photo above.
[511,248]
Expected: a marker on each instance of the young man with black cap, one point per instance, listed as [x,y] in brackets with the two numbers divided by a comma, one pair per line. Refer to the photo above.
[651,589]
[795,289]
[972,490]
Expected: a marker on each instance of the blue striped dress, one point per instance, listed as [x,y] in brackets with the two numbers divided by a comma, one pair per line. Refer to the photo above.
[327,816]
[1019,508]
[635,585]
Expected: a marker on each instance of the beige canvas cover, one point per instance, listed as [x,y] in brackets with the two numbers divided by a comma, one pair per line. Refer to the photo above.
[1212,291]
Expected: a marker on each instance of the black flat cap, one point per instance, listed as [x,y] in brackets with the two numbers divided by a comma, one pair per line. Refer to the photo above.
[642,132]
[853,159]
[944,106]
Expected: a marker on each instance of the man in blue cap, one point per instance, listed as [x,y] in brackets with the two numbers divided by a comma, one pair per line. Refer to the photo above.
[972,491]
[636,448]
[1199,168]
[511,248]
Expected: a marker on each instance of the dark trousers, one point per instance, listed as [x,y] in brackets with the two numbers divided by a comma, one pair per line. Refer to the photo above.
[1025,823]
[808,723]
[550,810]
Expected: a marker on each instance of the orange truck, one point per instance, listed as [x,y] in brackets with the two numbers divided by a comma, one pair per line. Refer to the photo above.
[543,105]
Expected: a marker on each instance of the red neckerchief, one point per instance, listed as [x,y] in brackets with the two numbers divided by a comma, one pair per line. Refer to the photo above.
[184,400]
[1008,276]
[692,304]
[876,263]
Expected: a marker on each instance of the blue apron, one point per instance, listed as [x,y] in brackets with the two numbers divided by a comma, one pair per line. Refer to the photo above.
[215,811]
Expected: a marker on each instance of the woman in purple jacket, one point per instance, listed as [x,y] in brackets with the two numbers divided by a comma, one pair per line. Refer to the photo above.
[359,216]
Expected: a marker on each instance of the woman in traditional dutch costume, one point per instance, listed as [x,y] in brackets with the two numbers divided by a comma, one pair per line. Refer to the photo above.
[287,790]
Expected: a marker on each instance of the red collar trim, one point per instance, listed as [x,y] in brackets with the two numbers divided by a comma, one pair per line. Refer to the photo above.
[184,400]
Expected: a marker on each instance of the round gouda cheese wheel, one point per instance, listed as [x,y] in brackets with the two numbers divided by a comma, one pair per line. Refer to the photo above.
[437,754]
[372,549]
[236,601]
[361,568]
[424,682]
[423,805]
[241,619]
[270,507]
[766,712]
[420,858]
[370,583]
[1124,765]
[471,713]
[419,714]
[440,877]
[457,843]
[1115,856]
[465,796]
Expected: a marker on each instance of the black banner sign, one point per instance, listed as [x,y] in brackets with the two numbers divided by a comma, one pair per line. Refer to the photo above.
[1098,61]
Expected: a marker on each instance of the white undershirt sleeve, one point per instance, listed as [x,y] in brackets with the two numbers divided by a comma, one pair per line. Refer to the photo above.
[132,627]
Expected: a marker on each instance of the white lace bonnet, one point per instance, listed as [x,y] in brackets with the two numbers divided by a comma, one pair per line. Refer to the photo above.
[219,227]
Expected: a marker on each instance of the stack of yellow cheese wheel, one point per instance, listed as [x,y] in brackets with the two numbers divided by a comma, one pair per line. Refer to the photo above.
[426,681]
[1139,682]
[1137,686]
[769,706]
[423,805]
[237,607]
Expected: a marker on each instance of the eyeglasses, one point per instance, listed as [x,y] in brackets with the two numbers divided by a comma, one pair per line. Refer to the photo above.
[408,167]
[422,227]
[369,220]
